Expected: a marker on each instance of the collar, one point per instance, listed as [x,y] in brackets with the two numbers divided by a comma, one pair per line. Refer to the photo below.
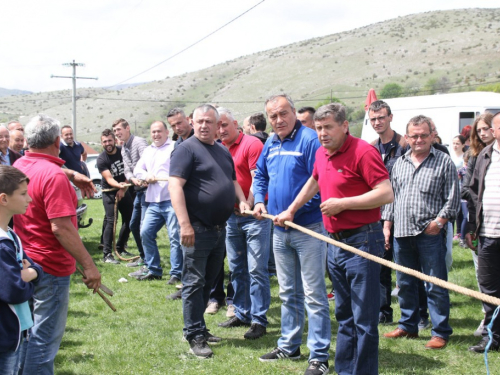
[238,140]
[50,158]
[408,153]
[166,144]
[128,144]
[75,143]
[7,152]
[342,148]
[292,134]
[392,142]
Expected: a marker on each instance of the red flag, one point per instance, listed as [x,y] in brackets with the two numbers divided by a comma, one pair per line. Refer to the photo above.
[370,98]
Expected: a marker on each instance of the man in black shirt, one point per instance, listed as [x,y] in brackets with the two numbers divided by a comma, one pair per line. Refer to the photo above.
[203,189]
[110,165]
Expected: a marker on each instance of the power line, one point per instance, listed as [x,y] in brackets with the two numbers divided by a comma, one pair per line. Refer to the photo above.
[190,46]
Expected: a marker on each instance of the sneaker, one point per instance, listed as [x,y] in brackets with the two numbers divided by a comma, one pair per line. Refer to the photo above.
[141,272]
[110,259]
[331,296]
[173,280]
[212,308]
[233,322]
[317,368]
[423,324]
[212,339]
[200,348]
[174,296]
[480,347]
[480,329]
[230,311]
[148,277]
[385,319]
[255,332]
[278,354]
[456,237]
[126,254]
[463,244]
[178,286]
[136,263]
[395,291]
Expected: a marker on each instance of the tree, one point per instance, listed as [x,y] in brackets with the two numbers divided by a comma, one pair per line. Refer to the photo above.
[391,90]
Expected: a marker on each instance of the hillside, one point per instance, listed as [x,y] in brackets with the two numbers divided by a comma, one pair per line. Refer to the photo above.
[461,45]
[8,92]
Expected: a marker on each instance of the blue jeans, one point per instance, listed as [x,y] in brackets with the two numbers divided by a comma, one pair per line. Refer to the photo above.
[9,361]
[357,302]
[300,265]
[157,214]
[428,251]
[137,219]
[201,265]
[50,303]
[247,244]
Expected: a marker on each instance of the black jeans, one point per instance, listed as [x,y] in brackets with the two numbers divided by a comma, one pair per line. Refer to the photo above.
[488,271]
[125,206]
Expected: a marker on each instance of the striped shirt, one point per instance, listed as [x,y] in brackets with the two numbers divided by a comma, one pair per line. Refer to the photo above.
[131,153]
[422,194]
[491,197]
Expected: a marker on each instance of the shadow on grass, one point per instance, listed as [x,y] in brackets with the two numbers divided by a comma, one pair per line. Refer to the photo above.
[78,314]
[407,363]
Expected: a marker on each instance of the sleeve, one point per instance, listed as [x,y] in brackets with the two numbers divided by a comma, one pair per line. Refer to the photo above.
[13,290]
[181,162]
[140,171]
[59,197]
[451,192]
[472,202]
[127,165]
[101,164]
[310,154]
[387,211]
[254,152]
[465,193]
[372,168]
[261,179]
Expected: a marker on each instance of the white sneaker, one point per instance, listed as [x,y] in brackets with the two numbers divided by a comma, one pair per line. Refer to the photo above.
[395,291]
[479,330]
[230,311]
[212,308]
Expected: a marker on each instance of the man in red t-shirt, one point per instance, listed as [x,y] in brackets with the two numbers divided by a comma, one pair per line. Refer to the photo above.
[353,184]
[247,239]
[48,232]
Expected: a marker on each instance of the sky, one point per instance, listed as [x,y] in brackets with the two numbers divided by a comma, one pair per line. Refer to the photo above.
[118,39]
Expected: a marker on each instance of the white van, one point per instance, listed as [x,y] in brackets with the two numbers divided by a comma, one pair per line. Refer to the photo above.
[450,112]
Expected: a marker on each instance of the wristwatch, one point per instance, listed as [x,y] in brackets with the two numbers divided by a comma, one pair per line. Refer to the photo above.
[439,224]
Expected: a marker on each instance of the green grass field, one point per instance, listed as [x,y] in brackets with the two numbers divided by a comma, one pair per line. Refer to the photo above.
[144,336]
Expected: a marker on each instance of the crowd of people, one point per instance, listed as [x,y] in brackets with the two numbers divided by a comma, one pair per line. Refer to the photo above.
[213,185]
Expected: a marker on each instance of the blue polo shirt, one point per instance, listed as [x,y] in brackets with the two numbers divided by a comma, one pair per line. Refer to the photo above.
[72,155]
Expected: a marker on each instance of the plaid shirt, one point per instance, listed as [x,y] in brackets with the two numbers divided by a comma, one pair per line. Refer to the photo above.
[131,153]
[422,194]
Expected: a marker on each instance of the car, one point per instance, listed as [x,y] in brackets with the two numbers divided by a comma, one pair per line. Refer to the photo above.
[81,210]
[94,175]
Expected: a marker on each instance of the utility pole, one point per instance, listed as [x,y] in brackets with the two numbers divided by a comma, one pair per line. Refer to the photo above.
[74,78]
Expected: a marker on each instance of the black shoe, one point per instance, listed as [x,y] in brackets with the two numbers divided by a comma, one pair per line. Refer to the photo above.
[212,339]
[110,259]
[480,347]
[200,348]
[149,277]
[256,331]
[278,354]
[317,368]
[173,280]
[385,319]
[233,322]
[174,296]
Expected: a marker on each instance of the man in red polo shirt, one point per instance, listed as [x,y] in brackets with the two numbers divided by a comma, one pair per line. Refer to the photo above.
[247,239]
[353,184]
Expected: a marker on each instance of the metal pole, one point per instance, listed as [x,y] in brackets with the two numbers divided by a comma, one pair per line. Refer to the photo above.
[73,122]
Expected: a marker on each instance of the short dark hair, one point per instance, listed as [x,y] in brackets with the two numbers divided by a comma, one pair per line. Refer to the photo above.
[259,121]
[311,110]
[66,127]
[10,179]
[107,133]
[336,110]
[419,120]
[377,105]
[175,111]
[120,121]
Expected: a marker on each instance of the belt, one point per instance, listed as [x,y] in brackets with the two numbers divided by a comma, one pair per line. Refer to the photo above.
[218,228]
[351,232]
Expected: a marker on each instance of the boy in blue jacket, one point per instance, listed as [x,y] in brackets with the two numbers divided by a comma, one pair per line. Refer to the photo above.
[17,270]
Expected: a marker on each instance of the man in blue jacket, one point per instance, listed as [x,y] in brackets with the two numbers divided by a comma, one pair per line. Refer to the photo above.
[286,163]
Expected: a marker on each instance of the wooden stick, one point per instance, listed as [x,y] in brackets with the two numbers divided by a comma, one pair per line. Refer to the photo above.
[104,298]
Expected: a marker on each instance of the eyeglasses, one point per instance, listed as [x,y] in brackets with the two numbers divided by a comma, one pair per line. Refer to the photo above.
[421,136]
[380,119]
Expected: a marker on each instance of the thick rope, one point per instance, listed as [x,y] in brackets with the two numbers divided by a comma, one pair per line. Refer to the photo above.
[431,279]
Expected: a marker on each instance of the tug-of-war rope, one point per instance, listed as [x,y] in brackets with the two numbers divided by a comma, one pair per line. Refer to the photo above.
[430,279]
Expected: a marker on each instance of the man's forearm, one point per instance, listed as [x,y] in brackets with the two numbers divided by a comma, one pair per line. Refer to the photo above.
[179,203]
[308,191]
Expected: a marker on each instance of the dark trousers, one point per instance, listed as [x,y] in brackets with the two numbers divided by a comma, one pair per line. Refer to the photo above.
[217,293]
[488,271]
[386,280]
[125,207]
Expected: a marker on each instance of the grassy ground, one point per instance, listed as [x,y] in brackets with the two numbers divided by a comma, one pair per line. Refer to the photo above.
[144,335]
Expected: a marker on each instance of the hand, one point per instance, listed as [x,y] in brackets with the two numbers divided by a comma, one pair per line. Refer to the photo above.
[259,209]
[137,182]
[332,207]
[85,185]
[187,235]
[244,206]
[468,239]
[150,179]
[120,194]
[26,264]
[282,217]
[28,274]
[432,228]
[92,277]
[387,237]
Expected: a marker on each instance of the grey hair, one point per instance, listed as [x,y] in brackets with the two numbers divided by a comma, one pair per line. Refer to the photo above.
[175,111]
[41,131]
[227,112]
[336,110]
[419,120]
[204,108]
[274,97]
